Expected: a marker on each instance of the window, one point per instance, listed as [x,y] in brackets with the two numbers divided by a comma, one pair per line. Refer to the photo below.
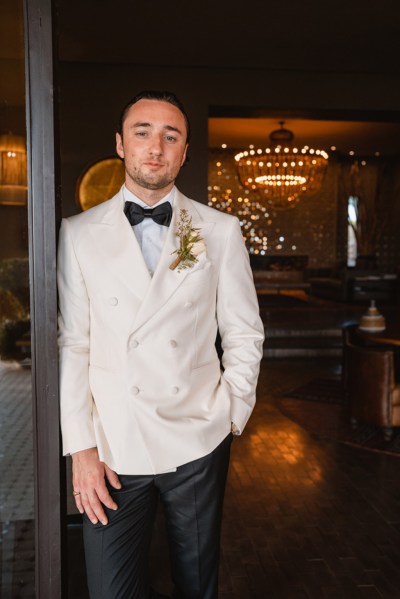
[352,219]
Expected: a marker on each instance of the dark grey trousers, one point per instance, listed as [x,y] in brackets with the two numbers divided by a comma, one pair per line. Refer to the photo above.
[192,499]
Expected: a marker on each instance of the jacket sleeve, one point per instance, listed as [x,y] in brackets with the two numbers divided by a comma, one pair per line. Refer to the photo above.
[240,326]
[74,314]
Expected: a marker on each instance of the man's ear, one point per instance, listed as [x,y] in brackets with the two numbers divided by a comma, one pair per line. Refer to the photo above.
[184,155]
[119,146]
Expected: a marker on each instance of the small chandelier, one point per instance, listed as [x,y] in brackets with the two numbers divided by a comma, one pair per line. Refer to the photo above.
[13,175]
[282,172]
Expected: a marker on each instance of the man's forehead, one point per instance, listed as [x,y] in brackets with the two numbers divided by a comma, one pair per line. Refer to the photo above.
[155,109]
[156,113]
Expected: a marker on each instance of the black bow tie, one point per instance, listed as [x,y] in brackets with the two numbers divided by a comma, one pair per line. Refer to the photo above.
[161,214]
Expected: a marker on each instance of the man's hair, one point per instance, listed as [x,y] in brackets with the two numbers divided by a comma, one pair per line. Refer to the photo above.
[163,96]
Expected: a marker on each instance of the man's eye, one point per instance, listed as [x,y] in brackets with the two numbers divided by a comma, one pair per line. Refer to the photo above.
[170,138]
[141,133]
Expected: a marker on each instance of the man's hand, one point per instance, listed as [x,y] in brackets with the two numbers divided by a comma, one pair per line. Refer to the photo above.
[90,491]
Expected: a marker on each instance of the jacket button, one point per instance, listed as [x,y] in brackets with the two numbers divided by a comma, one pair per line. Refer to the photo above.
[173,343]
[134,343]
[113,301]
[188,305]
[175,390]
[135,390]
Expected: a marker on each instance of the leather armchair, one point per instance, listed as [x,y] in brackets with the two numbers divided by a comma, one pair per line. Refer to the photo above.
[351,337]
[372,392]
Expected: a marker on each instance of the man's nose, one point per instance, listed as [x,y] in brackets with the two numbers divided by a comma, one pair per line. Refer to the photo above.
[156,146]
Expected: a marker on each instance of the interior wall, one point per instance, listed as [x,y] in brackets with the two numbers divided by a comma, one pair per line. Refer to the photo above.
[389,217]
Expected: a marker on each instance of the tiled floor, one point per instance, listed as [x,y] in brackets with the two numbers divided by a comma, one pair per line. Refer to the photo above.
[304,518]
[16,448]
[16,483]
[315,519]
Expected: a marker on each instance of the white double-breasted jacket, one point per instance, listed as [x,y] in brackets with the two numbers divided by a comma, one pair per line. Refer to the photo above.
[140,376]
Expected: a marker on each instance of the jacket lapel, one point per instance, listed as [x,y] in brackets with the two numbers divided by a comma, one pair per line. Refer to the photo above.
[117,245]
[166,281]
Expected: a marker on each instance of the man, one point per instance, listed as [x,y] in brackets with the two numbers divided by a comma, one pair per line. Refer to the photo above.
[146,411]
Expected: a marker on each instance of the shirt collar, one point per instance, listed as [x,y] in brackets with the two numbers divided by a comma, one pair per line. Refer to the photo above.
[130,197]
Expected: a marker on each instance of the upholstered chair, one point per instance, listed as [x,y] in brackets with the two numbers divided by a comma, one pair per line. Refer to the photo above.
[371,388]
[351,337]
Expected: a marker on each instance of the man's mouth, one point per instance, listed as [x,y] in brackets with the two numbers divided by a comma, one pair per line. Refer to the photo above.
[153,164]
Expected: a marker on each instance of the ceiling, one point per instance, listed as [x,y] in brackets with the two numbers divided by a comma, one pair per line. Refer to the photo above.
[362,138]
[350,37]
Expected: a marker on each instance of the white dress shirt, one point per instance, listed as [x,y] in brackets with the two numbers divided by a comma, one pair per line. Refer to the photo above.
[150,235]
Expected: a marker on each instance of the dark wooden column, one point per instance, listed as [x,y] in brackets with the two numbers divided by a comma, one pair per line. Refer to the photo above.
[43,183]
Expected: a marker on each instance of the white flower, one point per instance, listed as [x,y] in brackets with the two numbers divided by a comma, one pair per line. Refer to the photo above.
[198,248]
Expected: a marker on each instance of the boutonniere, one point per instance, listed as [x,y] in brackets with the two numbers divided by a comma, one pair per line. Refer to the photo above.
[191,243]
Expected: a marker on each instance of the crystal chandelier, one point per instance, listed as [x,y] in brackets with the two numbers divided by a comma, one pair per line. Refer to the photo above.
[282,172]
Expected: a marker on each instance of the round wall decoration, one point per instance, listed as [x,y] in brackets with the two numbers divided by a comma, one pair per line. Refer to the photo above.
[99,182]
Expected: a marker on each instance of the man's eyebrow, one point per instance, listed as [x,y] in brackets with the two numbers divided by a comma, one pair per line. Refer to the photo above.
[141,124]
[171,128]
[166,127]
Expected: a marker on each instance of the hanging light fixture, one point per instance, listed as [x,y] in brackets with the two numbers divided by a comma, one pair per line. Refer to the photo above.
[282,172]
[13,177]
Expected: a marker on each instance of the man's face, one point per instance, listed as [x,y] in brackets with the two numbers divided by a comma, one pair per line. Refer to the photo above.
[153,146]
